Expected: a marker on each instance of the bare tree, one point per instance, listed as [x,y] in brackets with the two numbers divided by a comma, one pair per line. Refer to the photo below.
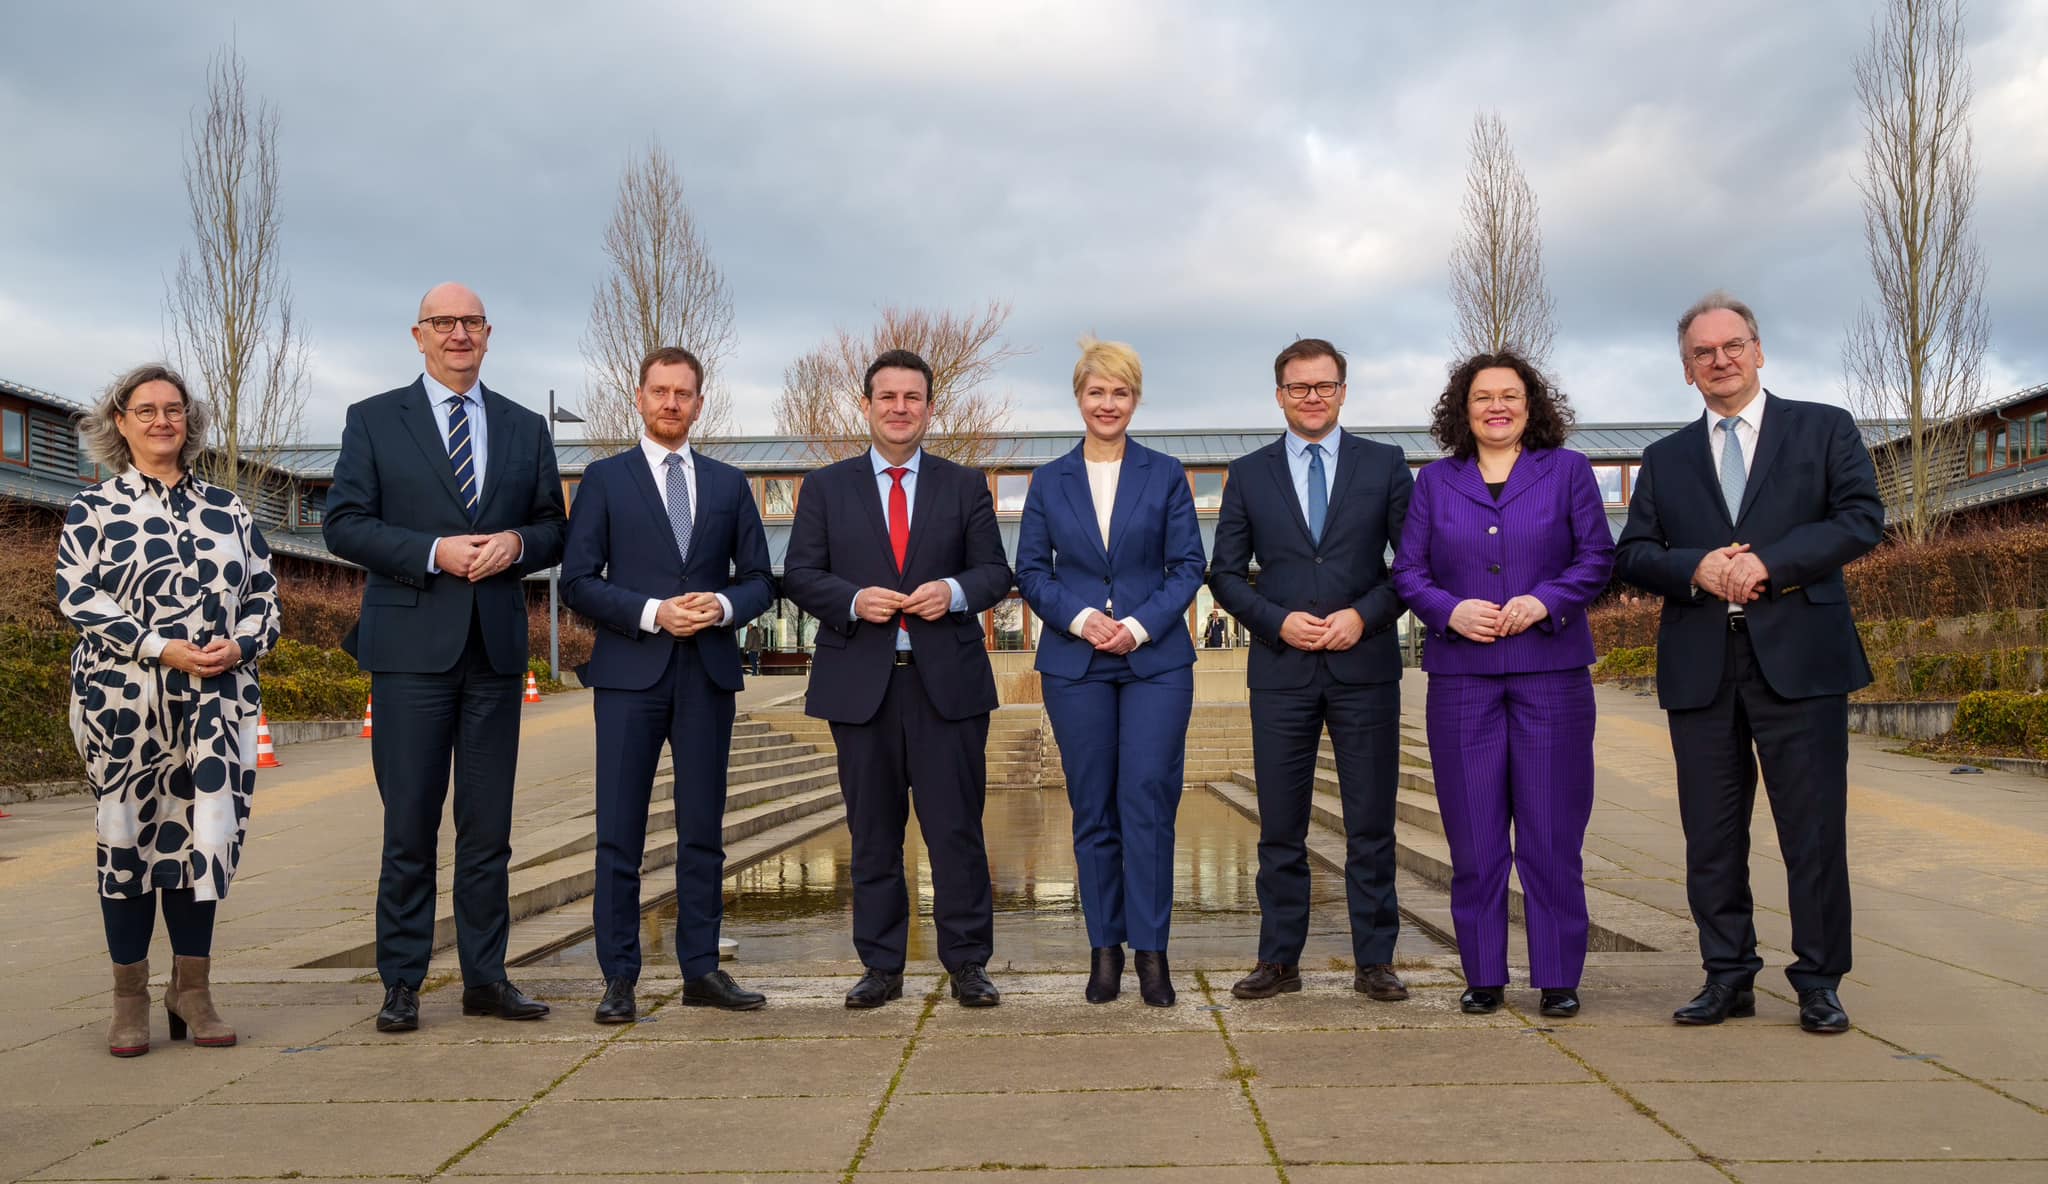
[1497,282]
[821,390]
[1916,357]
[663,289]
[228,310]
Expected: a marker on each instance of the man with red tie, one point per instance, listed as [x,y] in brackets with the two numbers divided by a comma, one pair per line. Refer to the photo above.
[897,553]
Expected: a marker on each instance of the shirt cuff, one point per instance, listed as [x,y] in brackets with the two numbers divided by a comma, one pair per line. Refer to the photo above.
[151,647]
[647,616]
[433,558]
[1137,630]
[959,601]
[725,604]
[1079,622]
[522,547]
[853,608]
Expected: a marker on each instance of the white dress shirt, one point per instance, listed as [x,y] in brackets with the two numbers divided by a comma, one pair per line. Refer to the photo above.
[657,461]
[884,483]
[479,444]
[1102,479]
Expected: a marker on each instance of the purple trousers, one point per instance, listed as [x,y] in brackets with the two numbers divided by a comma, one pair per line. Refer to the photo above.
[1515,751]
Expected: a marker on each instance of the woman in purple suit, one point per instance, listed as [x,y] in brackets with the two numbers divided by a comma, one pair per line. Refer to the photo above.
[1505,547]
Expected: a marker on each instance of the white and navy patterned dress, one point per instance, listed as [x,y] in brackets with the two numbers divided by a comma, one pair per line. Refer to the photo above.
[171,757]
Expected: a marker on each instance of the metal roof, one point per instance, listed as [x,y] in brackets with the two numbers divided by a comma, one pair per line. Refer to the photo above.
[37,395]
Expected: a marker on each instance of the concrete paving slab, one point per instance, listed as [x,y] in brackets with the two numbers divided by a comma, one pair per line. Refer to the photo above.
[371,1138]
[1396,1057]
[1916,1172]
[737,1069]
[692,1178]
[1098,1129]
[1350,1011]
[1854,1120]
[1986,1052]
[1520,1124]
[50,1071]
[1510,1173]
[401,1073]
[1012,1064]
[1738,1051]
[1175,1175]
[35,1137]
[724,1135]
[1052,1014]
[810,1015]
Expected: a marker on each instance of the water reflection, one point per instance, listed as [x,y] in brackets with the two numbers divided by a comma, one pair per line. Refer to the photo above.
[797,906]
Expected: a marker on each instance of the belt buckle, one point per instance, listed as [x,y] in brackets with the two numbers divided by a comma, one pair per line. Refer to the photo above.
[1738,623]
[903,658]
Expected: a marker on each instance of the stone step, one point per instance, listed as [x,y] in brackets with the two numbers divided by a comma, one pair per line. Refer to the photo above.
[580,834]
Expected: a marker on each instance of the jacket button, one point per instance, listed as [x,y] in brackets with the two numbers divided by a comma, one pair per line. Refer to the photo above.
[1493,530]
[1319,560]
[1105,581]
[1494,568]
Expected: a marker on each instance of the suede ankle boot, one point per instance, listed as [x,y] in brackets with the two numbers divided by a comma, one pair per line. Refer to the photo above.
[128,1035]
[189,1000]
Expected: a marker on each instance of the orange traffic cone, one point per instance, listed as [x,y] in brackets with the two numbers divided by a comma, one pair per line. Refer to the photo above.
[266,753]
[366,716]
[532,689]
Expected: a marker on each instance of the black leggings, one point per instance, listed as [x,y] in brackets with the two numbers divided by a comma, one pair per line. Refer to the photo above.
[131,922]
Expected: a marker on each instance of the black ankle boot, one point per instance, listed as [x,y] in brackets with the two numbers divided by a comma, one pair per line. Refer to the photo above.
[1155,981]
[1105,973]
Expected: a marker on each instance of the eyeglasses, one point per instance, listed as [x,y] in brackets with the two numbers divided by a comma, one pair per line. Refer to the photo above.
[446,325]
[1704,356]
[1302,390]
[1504,402]
[172,413]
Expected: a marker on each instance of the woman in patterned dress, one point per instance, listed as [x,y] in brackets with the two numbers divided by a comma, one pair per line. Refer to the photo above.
[169,583]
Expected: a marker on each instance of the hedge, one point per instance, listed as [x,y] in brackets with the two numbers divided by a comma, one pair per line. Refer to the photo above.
[35,706]
[302,682]
[2003,719]
[1636,661]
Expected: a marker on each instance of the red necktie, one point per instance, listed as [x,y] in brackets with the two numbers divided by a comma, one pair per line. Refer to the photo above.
[899,525]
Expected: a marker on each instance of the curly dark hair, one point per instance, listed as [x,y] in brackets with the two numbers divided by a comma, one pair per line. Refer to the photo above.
[1550,415]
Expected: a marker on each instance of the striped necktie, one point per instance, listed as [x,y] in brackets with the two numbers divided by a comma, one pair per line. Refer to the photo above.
[461,454]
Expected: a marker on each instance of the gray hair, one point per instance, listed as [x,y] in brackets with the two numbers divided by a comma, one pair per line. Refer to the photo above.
[99,428]
[1717,300]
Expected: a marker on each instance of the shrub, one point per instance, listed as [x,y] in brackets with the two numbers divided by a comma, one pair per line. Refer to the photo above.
[1987,569]
[303,682]
[318,604]
[1620,624]
[35,705]
[2003,719]
[1636,661]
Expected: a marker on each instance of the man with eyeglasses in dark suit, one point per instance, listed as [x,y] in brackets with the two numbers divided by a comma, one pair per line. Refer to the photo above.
[446,493]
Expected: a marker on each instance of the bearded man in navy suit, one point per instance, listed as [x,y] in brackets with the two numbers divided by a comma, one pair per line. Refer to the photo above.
[667,554]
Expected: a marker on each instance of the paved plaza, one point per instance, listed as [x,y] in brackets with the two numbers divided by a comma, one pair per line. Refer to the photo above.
[1944,1078]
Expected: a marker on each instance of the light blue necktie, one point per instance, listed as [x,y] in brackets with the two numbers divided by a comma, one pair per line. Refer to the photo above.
[461,454]
[1733,475]
[678,504]
[1318,493]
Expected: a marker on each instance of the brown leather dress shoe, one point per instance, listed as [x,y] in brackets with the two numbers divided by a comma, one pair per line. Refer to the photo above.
[1266,980]
[1378,982]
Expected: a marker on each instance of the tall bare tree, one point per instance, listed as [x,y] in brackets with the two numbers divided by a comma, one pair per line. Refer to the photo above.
[228,309]
[663,289]
[1916,357]
[821,390]
[1497,283]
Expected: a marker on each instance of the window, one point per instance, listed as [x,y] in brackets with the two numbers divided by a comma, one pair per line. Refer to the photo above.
[778,497]
[88,469]
[1208,486]
[2039,447]
[1611,484]
[14,435]
[312,504]
[1999,455]
[1980,459]
[1010,490]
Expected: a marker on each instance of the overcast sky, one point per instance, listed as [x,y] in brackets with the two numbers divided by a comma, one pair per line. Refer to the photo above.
[1204,181]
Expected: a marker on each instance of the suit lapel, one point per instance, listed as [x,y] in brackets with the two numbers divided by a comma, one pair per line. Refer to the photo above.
[1768,440]
[1072,475]
[1276,463]
[499,446]
[1701,450]
[1468,480]
[1350,457]
[1130,484]
[870,500]
[642,480]
[419,420]
[1529,470]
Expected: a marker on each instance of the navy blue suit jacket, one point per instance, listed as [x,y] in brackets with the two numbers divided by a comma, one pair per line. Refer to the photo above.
[622,553]
[1809,506]
[839,544]
[1262,520]
[394,493]
[1151,569]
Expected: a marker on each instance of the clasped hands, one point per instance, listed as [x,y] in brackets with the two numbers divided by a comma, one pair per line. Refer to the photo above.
[476,557]
[1485,622]
[1111,637]
[211,660]
[878,605]
[682,616]
[1733,574]
[1338,631]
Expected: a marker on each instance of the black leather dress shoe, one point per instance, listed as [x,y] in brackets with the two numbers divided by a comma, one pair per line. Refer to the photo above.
[973,988]
[1481,1000]
[718,990]
[1716,1002]
[1820,1010]
[1105,973]
[1155,981]
[503,1000]
[1560,1003]
[401,1011]
[1266,980]
[1379,983]
[875,988]
[617,1006]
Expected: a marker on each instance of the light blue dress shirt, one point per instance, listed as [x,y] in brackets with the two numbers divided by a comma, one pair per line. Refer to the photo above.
[883,484]
[1297,466]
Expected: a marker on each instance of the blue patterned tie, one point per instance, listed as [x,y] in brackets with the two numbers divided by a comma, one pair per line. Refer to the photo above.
[461,454]
[678,504]
[1318,493]
[1733,475]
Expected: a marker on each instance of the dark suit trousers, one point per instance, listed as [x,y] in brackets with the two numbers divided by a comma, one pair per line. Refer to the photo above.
[910,749]
[471,714]
[1803,745]
[1287,726]
[694,718]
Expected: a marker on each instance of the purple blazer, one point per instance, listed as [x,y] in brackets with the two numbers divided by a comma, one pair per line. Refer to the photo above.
[1546,537]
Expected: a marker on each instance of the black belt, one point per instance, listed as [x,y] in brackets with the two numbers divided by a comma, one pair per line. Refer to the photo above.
[1738,623]
[905,658]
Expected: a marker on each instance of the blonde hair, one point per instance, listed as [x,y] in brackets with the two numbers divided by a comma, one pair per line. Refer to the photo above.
[1113,360]
[100,431]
